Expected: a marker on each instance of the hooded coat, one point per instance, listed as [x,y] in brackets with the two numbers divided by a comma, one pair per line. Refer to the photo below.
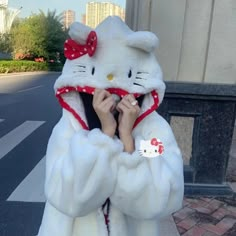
[85,167]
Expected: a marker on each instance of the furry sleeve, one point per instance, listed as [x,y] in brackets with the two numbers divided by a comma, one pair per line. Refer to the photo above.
[80,172]
[148,188]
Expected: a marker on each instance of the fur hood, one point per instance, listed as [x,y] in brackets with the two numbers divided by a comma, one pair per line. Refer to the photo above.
[121,61]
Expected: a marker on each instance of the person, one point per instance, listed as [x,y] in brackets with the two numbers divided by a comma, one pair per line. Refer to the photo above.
[113,166]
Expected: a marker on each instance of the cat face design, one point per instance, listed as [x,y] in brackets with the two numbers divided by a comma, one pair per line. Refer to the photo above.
[151,148]
[121,61]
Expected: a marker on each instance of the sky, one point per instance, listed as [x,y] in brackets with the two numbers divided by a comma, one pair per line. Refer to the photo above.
[31,6]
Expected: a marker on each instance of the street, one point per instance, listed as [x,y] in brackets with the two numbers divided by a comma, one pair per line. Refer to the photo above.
[28,113]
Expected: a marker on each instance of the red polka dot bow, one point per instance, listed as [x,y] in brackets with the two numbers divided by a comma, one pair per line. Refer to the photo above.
[73,50]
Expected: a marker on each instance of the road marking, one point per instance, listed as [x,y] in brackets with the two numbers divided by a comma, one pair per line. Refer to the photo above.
[13,138]
[29,89]
[31,189]
[1,120]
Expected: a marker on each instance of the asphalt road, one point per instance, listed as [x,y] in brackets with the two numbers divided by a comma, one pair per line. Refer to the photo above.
[28,112]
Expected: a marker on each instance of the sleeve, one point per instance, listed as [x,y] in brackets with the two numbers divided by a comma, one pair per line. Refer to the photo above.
[80,171]
[150,187]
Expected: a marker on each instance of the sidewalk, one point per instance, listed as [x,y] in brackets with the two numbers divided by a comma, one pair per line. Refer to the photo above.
[208,216]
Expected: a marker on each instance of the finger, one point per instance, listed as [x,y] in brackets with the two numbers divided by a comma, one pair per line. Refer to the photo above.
[100,95]
[95,96]
[122,108]
[128,104]
[107,104]
[130,98]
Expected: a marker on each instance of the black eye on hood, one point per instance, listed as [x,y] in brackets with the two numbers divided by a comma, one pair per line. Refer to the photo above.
[130,73]
[93,70]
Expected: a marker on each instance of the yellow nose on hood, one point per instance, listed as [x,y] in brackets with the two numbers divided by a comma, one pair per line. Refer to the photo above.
[110,77]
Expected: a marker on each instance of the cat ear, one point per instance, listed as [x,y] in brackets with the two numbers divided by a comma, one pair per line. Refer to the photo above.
[144,40]
[79,32]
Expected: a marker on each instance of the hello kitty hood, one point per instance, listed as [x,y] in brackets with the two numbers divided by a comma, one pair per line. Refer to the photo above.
[111,57]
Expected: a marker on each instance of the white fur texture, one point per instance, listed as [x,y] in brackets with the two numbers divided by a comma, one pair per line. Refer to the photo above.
[84,168]
[143,40]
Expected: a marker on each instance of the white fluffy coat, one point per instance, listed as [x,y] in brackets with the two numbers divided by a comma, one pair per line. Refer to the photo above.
[84,168]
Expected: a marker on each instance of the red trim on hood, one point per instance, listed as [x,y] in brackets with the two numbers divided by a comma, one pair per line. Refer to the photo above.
[74,113]
[150,110]
[90,90]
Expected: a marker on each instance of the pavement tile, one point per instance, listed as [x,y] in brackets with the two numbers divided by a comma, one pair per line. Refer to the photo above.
[214,229]
[205,217]
[183,213]
[204,210]
[187,223]
[226,224]
[231,209]
[206,199]
[197,202]
[176,219]
[185,203]
[215,204]
[181,230]
[195,231]
[220,213]
[208,233]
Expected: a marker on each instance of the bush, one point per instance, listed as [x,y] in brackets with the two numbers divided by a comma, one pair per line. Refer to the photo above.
[8,66]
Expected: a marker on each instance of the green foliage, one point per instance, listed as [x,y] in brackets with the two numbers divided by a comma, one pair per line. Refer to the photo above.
[7,66]
[5,43]
[39,35]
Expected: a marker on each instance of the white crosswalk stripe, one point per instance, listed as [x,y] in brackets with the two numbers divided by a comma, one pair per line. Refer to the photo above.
[16,136]
[31,188]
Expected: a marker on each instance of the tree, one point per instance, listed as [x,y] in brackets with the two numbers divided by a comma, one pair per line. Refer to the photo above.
[39,35]
[5,43]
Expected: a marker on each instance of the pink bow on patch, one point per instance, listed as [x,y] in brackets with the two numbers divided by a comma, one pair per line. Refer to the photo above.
[73,50]
[159,144]
[155,142]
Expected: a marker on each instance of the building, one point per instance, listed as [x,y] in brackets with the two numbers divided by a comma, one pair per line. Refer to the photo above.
[198,56]
[98,11]
[68,18]
[3,3]
[7,16]
[83,19]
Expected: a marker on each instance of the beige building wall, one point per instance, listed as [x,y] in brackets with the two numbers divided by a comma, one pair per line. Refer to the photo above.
[98,11]
[197,37]
[68,18]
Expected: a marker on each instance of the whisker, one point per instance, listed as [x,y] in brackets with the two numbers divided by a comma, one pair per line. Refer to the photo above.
[139,85]
[140,78]
[81,66]
[82,71]
[140,72]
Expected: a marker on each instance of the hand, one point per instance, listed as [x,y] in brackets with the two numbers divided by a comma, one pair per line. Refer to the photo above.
[104,104]
[128,114]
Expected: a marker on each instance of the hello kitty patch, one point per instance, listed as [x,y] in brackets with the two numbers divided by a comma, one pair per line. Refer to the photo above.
[151,148]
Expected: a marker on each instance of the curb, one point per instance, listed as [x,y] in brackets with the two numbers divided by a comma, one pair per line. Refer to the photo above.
[3,75]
